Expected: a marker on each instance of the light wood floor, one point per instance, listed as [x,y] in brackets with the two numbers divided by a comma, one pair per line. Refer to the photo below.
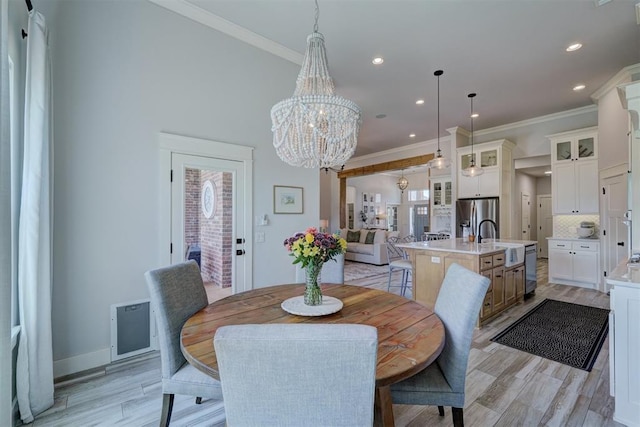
[505,387]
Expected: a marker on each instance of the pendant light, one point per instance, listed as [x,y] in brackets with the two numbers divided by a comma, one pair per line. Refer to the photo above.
[403,183]
[439,162]
[472,169]
[315,128]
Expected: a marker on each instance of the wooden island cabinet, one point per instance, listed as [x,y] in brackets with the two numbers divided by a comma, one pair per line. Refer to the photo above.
[431,260]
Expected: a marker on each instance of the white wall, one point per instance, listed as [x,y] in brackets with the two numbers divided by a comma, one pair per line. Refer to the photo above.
[122,73]
[543,185]
[613,125]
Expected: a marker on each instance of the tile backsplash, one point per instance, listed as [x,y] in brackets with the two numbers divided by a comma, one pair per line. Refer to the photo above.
[565,225]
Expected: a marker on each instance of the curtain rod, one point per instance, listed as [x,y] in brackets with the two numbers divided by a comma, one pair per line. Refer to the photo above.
[30,8]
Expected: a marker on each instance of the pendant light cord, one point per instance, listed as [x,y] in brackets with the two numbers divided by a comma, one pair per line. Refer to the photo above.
[473,161]
[438,73]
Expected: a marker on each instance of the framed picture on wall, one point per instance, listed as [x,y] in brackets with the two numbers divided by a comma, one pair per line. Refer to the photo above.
[287,200]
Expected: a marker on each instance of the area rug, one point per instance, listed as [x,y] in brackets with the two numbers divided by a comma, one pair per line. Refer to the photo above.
[360,270]
[568,333]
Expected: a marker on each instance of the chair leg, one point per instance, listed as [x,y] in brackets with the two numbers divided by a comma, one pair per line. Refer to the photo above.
[441,411]
[167,406]
[389,283]
[458,420]
[198,400]
[403,284]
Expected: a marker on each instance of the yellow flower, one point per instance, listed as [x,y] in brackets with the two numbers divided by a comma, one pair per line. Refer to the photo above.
[343,244]
[309,238]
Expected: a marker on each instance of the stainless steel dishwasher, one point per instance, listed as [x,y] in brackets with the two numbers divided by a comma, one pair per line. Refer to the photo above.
[530,268]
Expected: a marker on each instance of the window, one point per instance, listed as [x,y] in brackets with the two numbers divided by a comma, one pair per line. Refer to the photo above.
[418,211]
[418,195]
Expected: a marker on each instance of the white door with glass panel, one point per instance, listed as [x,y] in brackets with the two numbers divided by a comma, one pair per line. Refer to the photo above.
[207,205]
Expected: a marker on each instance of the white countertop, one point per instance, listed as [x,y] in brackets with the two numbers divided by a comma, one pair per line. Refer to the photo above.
[576,239]
[458,245]
[625,274]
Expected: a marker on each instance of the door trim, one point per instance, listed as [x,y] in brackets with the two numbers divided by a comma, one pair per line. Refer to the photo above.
[171,143]
[610,172]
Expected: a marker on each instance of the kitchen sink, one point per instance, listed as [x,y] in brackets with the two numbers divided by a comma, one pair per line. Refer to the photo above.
[514,252]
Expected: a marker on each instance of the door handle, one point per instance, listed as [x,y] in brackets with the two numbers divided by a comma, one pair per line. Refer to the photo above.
[239,251]
[620,243]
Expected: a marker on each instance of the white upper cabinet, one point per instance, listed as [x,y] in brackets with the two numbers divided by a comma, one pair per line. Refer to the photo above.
[575,145]
[574,164]
[496,159]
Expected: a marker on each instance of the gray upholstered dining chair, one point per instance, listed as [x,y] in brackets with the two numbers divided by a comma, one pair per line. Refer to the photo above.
[297,374]
[442,383]
[177,292]
[332,271]
[398,261]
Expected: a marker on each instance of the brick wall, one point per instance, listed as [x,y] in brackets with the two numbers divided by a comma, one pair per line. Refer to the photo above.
[216,232]
[192,207]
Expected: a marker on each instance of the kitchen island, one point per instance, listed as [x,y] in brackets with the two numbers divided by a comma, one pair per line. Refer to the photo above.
[624,345]
[502,261]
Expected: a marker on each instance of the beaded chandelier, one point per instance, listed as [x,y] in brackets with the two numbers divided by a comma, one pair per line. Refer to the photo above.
[315,128]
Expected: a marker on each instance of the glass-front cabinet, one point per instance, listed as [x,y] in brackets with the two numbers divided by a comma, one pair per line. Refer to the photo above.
[441,192]
[488,158]
[574,145]
[441,204]
[574,166]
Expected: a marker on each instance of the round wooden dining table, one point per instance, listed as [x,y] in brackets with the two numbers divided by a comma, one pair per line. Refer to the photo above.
[410,335]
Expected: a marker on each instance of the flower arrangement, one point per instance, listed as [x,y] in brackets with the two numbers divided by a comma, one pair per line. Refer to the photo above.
[314,247]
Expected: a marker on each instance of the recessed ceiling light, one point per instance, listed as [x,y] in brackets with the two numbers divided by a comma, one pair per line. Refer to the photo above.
[573,47]
[579,87]
[547,172]
[381,116]
[420,101]
[412,135]
[474,115]
[378,60]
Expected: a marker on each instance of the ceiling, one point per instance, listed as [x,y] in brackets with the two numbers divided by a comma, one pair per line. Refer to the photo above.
[512,53]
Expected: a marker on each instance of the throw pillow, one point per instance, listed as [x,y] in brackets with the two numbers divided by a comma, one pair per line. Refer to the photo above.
[370,236]
[353,236]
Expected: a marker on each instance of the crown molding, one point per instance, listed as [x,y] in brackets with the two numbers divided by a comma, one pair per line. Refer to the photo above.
[623,76]
[211,20]
[538,120]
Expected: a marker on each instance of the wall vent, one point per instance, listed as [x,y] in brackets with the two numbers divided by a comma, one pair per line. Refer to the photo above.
[133,329]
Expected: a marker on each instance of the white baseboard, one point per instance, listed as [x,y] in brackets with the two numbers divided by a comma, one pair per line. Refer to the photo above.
[82,362]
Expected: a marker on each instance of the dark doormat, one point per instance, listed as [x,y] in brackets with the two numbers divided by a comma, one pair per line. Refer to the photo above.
[561,331]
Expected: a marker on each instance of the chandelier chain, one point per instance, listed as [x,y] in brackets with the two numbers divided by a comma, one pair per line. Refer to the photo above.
[315,26]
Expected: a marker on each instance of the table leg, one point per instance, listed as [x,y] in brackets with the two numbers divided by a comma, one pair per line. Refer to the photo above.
[383,410]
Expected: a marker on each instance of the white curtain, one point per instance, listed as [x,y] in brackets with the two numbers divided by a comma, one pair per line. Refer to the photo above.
[35,355]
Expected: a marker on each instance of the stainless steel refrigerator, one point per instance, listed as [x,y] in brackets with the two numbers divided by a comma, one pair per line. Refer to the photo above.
[471,212]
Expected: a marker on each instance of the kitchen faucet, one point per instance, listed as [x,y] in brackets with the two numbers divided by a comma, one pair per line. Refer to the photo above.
[495,228]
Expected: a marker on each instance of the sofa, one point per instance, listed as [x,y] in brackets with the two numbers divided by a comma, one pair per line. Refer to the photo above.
[369,246]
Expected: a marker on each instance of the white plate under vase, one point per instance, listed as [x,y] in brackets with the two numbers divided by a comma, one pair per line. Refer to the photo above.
[296,305]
